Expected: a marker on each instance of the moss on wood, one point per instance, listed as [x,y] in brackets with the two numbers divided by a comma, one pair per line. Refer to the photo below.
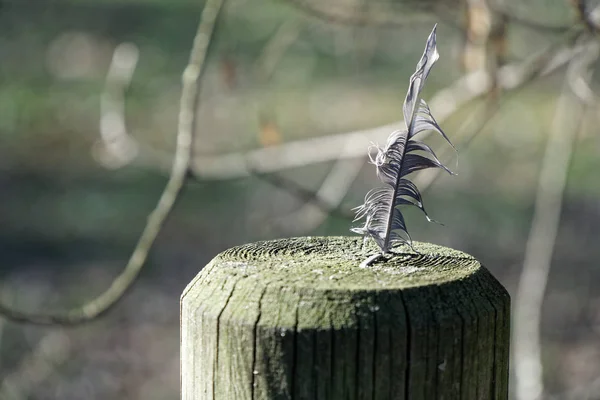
[298,319]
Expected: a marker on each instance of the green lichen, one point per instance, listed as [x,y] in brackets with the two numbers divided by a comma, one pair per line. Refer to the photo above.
[298,318]
[333,263]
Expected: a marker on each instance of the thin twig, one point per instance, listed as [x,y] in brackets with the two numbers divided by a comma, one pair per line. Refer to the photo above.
[474,125]
[307,196]
[478,24]
[542,64]
[331,193]
[323,202]
[186,127]
[274,50]
[528,23]
[586,16]
[51,351]
[511,77]
[493,104]
[317,207]
[568,119]
[279,157]
[320,204]
[480,120]
[116,147]
[294,154]
[386,16]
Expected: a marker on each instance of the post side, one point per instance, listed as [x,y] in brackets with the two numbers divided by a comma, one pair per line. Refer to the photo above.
[298,319]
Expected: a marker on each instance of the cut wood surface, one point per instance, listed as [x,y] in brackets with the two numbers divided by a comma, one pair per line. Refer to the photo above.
[298,319]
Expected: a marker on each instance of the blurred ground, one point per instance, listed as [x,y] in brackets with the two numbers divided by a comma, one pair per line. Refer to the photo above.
[67,224]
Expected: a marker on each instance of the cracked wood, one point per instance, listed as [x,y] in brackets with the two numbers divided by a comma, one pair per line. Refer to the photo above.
[298,319]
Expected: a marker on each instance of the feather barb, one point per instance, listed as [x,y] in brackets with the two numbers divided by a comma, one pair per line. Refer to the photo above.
[402,155]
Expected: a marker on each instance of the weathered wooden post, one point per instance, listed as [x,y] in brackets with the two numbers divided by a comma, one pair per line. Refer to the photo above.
[298,319]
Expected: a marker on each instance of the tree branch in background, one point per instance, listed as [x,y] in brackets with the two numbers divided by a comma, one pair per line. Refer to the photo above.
[514,17]
[389,16]
[317,205]
[304,194]
[331,193]
[298,153]
[477,121]
[478,25]
[186,125]
[294,154]
[116,148]
[281,156]
[327,200]
[473,125]
[376,15]
[274,50]
[445,102]
[568,120]
[589,18]
[323,202]
[52,350]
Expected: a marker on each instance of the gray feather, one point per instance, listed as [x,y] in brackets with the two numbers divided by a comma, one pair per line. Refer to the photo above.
[402,155]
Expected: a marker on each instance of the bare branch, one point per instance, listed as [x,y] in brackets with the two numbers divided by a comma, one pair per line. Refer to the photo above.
[304,194]
[567,122]
[377,14]
[479,20]
[187,115]
[325,201]
[116,148]
[412,13]
[261,162]
[288,155]
[473,125]
[299,153]
[589,18]
[477,121]
[515,18]
[318,205]
[52,350]
[331,193]
[273,51]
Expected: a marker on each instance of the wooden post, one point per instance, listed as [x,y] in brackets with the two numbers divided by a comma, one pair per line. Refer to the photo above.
[298,319]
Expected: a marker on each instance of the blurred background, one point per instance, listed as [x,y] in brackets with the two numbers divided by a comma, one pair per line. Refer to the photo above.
[292,94]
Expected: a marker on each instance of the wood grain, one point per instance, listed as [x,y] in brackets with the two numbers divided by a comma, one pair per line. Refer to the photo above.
[298,319]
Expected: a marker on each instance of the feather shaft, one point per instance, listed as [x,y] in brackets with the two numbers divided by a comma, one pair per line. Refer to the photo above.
[402,155]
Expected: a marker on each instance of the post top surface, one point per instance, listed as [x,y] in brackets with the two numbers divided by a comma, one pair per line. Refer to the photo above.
[330,263]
